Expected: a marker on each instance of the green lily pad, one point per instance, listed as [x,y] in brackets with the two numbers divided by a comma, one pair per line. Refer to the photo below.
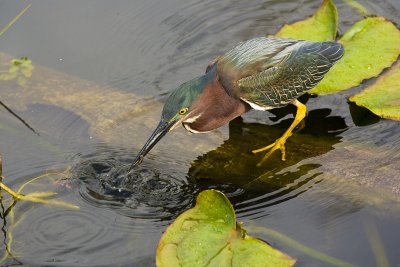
[207,235]
[322,26]
[371,45]
[382,97]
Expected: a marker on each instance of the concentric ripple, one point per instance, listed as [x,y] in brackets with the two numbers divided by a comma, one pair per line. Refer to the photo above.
[53,235]
[147,193]
[60,228]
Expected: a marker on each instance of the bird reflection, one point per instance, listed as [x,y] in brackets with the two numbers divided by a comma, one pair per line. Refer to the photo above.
[233,162]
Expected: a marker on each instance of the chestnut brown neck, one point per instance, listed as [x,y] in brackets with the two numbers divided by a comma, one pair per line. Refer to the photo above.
[214,108]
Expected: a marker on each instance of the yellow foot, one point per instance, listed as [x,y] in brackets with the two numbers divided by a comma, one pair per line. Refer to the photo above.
[278,144]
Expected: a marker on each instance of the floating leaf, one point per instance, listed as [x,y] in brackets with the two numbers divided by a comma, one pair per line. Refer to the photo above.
[8,76]
[20,69]
[382,97]
[322,26]
[207,235]
[371,45]
[13,69]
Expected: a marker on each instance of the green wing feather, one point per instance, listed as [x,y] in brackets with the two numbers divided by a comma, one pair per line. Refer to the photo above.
[300,67]
[271,72]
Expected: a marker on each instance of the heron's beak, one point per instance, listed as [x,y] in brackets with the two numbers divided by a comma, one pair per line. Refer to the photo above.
[159,132]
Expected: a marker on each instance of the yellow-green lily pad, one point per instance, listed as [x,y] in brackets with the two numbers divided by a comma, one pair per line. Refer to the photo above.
[322,26]
[208,235]
[382,97]
[371,45]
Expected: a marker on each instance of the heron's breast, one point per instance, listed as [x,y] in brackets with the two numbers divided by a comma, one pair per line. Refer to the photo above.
[214,108]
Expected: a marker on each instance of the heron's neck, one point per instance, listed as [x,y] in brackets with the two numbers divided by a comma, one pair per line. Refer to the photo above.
[214,107]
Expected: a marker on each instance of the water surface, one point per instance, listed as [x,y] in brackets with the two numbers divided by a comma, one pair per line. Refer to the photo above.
[103,70]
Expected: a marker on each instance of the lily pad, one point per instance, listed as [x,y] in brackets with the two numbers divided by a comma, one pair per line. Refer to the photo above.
[322,26]
[382,97]
[208,235]
[371,45]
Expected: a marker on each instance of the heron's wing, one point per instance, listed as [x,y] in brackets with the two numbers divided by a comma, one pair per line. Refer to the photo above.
[256,51]
[249,58]
[295,69]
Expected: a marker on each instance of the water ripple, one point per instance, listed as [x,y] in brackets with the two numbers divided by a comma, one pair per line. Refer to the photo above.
[148,194]
[80,228]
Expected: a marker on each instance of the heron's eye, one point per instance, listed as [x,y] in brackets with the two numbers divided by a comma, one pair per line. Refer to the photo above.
[183,111]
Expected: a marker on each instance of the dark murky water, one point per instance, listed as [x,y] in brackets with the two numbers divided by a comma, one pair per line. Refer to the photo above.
[332,190]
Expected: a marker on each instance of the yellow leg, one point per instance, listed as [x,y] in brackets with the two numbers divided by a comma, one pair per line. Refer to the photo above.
[280,143]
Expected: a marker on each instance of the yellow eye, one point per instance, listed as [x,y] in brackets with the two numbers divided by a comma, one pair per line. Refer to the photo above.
[183,111]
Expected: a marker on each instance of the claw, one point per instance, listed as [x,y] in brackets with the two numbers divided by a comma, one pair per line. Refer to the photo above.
[278,144]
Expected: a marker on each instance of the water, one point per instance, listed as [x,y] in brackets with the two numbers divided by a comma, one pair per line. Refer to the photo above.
[340,180]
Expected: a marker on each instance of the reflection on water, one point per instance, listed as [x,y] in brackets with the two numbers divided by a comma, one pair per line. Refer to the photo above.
[151,192]
[318,196]
[362,116]
[233,162]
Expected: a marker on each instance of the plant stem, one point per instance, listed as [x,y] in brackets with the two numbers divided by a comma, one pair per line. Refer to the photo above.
[378,249]
[18,117]
[300,247]
[358,6]
[14,20]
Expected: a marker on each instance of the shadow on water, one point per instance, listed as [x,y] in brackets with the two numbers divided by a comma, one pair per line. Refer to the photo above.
[362,116]
[276,181]
[233,161]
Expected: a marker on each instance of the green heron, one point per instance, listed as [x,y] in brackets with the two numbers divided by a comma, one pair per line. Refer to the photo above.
[261,73]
